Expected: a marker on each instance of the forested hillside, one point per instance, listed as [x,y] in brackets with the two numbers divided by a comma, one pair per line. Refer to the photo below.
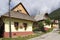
[55,14]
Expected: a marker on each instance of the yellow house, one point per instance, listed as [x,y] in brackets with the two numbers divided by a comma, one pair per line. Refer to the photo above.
[21,22]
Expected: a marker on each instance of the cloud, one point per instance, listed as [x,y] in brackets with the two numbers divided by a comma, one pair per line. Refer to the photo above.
[46,5]
[14,3]
[3,6]
[32,6]
[35,6]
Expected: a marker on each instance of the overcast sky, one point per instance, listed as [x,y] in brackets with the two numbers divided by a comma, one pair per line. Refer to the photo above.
[32,6]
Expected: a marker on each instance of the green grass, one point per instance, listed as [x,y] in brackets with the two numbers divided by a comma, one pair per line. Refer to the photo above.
[59,32]
[25,37]
[19,38]
[34,35]
[49,30]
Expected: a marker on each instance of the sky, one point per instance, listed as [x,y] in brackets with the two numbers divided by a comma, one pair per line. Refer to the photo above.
[33,6]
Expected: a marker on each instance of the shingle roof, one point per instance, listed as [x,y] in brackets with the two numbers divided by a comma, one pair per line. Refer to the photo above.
[39,17]
[19,15]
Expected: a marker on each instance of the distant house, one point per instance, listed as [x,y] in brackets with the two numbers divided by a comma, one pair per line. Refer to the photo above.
[41,18]
[21,22]
[55,23]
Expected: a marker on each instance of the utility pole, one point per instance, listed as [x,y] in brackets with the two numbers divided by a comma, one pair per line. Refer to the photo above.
[10,35]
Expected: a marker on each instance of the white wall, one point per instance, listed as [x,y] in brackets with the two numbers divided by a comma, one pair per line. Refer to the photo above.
[47,26]
[29,25]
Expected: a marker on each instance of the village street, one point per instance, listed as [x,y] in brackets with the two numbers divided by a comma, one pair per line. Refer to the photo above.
[49,36]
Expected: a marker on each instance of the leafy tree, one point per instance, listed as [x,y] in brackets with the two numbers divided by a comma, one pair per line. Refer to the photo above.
[48,21]
[55,14]
[41,26]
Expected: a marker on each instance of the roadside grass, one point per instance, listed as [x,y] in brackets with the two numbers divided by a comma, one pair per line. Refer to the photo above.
[36,34]
[19,38]
[59,32]
[25,37]
[49,30]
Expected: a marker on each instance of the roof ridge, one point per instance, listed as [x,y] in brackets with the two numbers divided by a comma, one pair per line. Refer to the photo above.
[22,6]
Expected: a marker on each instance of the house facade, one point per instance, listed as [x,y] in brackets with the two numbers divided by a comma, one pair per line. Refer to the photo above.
[19,27]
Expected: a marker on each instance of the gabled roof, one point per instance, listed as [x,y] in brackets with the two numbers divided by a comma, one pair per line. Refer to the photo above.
[22,6]
[18,15]
[41,16]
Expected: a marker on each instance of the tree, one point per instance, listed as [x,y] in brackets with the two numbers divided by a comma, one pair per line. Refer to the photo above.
[41,26]
[48,21]
[55,14]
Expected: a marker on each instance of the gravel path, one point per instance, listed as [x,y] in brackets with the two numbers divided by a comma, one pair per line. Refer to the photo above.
[49,36]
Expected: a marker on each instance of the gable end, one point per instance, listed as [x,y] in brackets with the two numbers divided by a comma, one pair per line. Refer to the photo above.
[22,6]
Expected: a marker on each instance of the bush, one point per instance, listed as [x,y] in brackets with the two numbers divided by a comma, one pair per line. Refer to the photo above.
[36,29]
[48,21]
[41,26]
[49,30]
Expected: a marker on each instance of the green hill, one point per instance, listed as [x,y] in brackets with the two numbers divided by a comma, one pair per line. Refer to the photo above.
[55,14]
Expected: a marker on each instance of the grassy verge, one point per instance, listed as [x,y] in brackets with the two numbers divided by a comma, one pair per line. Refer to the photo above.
[25,37]
[19,38]
[36,34]
[59,32]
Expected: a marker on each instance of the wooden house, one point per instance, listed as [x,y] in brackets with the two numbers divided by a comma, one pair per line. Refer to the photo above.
[21,22]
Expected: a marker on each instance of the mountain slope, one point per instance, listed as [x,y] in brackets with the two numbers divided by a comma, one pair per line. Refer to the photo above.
[55,14]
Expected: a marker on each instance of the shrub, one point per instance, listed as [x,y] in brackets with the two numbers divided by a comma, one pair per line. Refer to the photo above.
[36,29]
[41,26]
[48,21]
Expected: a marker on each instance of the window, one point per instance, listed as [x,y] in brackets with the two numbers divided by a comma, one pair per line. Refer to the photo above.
[16,25]
[25,25]
[19,10]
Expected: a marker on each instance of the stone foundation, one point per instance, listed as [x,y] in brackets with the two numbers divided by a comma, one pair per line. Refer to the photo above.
[16,34]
